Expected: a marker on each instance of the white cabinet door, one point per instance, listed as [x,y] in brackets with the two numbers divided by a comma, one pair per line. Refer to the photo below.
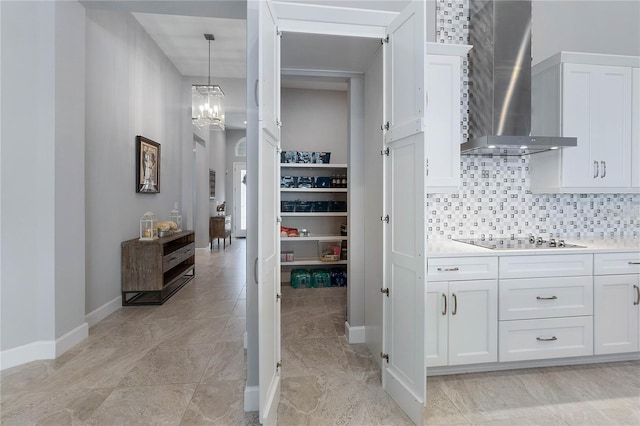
[615,315]
[473,322]
[268,267]
[403,375]
[597,110]
[437,323]
[635,129]
[612,142]
[443,123]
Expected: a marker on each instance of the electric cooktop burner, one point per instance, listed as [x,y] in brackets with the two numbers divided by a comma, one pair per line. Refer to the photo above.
[519,243]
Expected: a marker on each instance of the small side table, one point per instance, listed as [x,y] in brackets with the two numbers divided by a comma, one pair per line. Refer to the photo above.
[220,227]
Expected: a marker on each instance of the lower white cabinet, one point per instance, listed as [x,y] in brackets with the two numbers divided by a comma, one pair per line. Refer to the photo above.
[546,338]
[462,323]
[616,313]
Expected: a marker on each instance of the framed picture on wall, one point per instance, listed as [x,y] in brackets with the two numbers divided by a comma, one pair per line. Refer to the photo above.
[212,184]
[147,166]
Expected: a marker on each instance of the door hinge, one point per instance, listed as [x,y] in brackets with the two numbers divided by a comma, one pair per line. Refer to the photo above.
[278,219]
[278,123]
[278,365]
[278,296]
[278,32]
[385,151]
[279,150]
[384,356]
[385,126]
[385,291]
[384,40]
[427,167]
[385,218]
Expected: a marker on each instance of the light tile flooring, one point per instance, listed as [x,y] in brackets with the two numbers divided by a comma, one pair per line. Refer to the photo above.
[183,363]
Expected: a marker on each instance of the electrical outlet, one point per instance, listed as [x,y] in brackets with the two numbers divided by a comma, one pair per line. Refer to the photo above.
[485,173]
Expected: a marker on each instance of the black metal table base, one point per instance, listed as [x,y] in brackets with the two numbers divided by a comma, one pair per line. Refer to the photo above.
[136,298]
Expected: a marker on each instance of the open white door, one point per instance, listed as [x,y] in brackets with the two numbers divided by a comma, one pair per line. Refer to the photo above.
[268,207]
[404,372]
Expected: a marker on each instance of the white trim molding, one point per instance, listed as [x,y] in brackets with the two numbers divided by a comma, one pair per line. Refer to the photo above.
[252,398]
[43,349]
[97,315]
[354,334]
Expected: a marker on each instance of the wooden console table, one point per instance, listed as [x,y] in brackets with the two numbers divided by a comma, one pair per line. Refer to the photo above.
[220,227]
[152,271]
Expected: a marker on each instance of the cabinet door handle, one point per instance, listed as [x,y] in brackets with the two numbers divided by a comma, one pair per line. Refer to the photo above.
[255,270]
[637,301]
[255,93]
[634,263]
[455,304]
[604,168]
[547,298]
[444,307]
[448,269]
[595,169]
[546,339]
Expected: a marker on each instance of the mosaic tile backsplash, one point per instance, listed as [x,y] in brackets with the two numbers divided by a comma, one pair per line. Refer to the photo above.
[494,199]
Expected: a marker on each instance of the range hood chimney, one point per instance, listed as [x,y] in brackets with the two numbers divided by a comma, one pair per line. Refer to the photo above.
[500,81]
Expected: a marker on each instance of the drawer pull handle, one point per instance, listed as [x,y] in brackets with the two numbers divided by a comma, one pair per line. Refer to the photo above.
[444,308]
[547,298]
[546,339]
[455,304]
[637,301]
[448,269]
[634,263]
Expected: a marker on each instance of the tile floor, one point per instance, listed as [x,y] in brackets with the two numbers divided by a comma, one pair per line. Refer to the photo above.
[183,363]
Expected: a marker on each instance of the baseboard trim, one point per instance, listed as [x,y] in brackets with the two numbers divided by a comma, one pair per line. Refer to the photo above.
[97,315]
[205,250]
[71,339]
[355,334]
[499,366]
[251,398]
[43,349]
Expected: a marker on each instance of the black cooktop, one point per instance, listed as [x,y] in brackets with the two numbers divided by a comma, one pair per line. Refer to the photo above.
[519,243]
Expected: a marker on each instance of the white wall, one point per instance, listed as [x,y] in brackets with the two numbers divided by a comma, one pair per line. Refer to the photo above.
[611,27]
[315,120]
[131,89]
[41,172]
[69,166]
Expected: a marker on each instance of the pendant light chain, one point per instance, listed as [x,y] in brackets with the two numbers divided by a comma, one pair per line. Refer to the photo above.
[209,79]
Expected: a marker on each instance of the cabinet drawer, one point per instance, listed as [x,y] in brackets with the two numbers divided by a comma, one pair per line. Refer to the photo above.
[616,263]
[540,266]
[175,257]
[546,297]
[462,268]
[546,338]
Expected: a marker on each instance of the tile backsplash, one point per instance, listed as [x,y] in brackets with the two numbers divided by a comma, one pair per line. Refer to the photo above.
[494,199]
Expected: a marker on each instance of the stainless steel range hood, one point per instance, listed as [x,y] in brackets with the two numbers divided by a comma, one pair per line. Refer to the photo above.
[500,82]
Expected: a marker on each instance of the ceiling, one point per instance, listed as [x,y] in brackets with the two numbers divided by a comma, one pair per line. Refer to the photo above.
[181,38]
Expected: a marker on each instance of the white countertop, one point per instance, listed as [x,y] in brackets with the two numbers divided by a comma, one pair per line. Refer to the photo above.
[448,248]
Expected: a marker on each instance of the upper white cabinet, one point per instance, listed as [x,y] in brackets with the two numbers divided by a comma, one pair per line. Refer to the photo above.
[443,132]
[589,97]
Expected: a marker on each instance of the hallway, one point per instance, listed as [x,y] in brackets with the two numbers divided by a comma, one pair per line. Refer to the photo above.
[179,363]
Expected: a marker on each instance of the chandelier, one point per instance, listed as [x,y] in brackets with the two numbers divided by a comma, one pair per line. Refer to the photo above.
[207,101]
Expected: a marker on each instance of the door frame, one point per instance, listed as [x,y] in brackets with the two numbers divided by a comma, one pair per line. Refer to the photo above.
[237,200]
